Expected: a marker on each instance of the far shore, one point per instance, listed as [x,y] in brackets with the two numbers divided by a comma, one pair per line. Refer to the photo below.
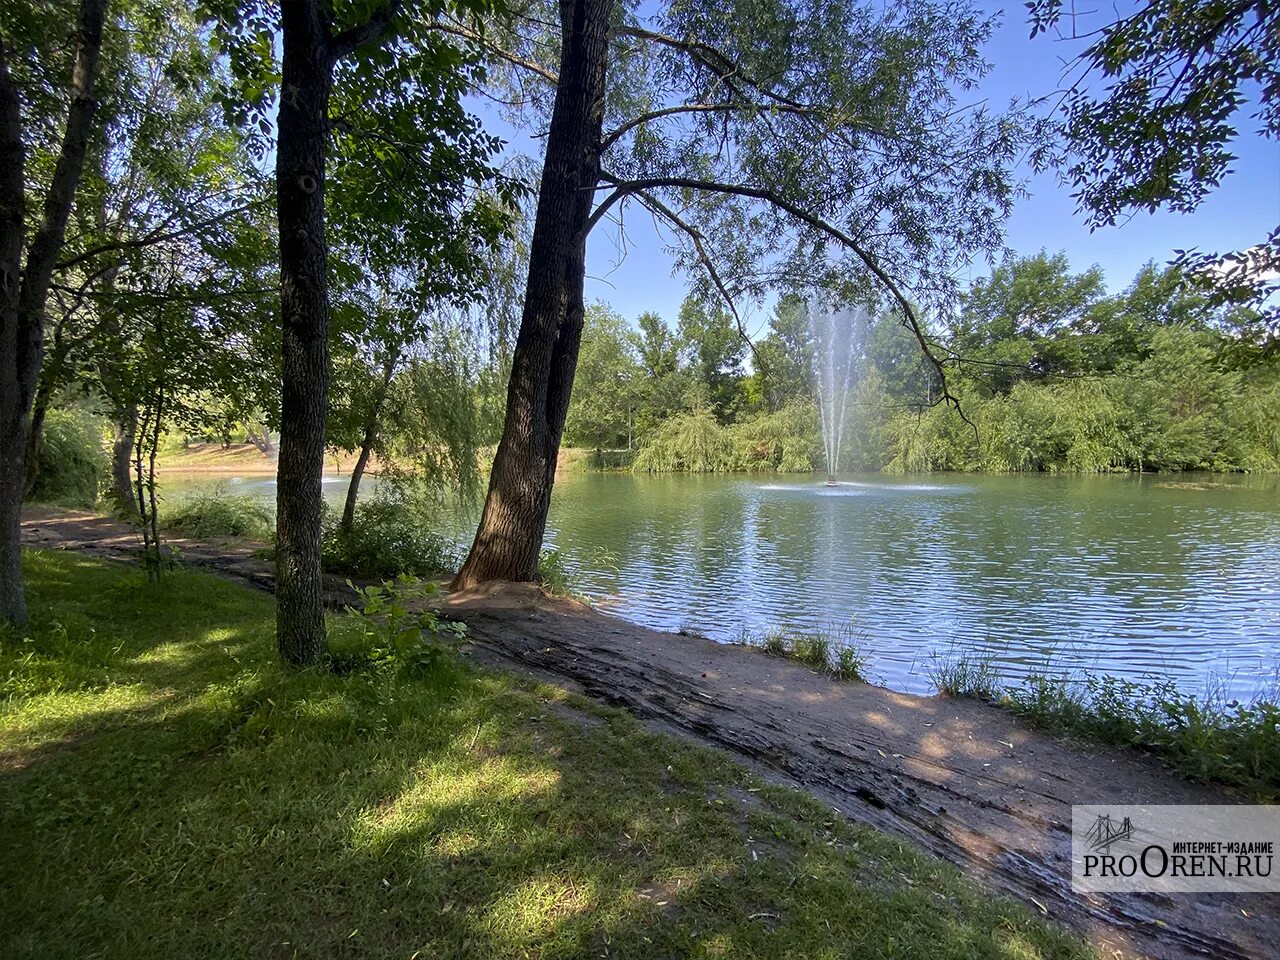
[247,460]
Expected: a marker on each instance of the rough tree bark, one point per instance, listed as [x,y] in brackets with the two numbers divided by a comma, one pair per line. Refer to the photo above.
[515,511]
[23,291]
[310,51]
[304,313]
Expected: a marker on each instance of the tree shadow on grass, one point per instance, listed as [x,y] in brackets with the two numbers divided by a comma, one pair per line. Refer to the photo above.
[236,810]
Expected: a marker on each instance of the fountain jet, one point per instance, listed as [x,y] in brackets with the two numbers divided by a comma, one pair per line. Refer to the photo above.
[838,334]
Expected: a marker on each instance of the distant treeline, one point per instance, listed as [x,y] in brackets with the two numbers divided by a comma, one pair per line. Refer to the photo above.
[1051,373]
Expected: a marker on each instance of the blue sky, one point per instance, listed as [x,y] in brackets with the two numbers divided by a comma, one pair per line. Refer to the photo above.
[1239,214]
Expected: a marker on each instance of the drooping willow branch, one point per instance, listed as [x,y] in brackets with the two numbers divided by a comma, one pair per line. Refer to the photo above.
[910,319]
[698,239]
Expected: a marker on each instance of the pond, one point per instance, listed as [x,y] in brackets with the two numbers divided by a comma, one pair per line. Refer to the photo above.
[1139,576]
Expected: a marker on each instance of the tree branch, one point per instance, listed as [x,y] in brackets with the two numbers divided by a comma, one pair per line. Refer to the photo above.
[910,320]
[718,62]
[616,134]
[350,40]
[696,236]
[466,33]
[155,237]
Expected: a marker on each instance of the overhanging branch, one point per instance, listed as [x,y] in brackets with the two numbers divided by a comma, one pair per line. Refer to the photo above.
[480,40]
[698,239]
[910,320]
[617,133]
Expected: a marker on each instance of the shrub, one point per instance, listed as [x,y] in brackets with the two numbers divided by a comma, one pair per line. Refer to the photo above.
[213,513]
[398,632]
[388,538]
[1203,738]
[72,463]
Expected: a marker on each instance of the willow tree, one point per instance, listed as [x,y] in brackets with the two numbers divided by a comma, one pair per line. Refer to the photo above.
[780,143]
[24,284]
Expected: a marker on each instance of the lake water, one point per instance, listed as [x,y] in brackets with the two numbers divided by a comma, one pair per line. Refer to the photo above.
[1143,577]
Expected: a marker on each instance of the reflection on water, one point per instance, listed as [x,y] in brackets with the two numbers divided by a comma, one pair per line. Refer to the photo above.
[1137,576]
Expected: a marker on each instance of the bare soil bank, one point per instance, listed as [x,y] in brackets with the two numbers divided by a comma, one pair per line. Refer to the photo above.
[964,780]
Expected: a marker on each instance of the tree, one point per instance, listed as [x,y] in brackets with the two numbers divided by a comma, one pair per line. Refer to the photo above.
[602,411]
[405,393]
[1010,323]
[164,175]
[514,519]
[785,357]
[1158,133]
[716,350]
[783,146]
[387,91]
[24,287]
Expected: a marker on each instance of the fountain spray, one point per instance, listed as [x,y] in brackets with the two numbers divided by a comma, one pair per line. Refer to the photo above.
[838,335]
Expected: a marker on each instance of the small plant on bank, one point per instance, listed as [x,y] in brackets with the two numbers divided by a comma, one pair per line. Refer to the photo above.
[774,643]
[553,573]
[967,675]
[839,656]
[398,630]
[813,649]
[850,664]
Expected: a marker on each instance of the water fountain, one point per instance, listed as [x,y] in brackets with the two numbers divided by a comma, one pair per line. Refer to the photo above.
[838,333]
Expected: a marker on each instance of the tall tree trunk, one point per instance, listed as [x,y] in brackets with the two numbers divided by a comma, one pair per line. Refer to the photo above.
[357,474]
[35,437]
[514,519]
[22,301]
[124,429]
[366,444]
[304,313]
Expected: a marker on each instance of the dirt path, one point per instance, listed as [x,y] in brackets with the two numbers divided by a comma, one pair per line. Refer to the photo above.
[966,781]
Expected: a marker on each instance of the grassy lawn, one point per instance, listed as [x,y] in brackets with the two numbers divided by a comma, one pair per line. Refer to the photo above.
[167,790]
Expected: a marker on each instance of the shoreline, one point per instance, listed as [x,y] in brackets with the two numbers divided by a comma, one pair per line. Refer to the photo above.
[964,780]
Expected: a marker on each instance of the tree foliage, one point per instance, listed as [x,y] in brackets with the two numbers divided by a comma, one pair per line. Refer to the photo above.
[1151,113]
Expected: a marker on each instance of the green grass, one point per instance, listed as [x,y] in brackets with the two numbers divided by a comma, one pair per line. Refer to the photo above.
[1208,738]
[167,790]
[966,676]
[837,652]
